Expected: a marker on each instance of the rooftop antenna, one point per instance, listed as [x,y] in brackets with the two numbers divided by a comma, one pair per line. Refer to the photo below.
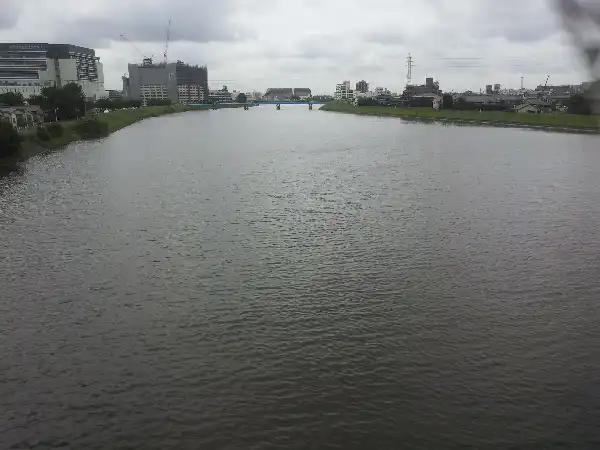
[167,40]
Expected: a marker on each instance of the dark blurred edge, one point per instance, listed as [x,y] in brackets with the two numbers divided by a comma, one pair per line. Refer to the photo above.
[582,20]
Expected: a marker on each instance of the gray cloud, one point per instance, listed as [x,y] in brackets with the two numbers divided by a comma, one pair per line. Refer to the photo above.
[385,37]
[9,13]
[261,43]
[146,21]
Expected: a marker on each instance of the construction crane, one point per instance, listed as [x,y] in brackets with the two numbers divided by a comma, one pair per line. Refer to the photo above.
[543,94]
[145,58]
[167,40]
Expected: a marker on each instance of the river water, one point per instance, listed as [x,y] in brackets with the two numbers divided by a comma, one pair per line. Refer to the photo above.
[299,279]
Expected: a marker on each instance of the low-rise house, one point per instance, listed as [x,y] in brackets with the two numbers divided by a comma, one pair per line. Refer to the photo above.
[426,100]
[22,116]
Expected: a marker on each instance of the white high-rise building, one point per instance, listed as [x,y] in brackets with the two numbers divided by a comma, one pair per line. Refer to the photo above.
[344,93]
[29,67]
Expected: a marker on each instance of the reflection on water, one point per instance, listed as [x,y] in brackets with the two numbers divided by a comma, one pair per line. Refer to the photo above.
[299,279]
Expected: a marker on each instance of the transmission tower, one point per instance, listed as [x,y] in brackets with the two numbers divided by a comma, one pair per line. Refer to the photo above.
[409,65]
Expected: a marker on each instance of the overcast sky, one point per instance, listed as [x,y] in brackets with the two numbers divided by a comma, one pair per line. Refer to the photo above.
[256,44]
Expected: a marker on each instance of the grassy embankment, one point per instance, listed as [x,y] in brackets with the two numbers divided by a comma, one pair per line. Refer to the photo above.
[494,118]
[116,120]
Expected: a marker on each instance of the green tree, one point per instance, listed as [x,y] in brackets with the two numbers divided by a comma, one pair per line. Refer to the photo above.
[367,102]
[447,101]
[241,98]
[12,99]
[579,104]
[35,100]
[10,141]
[66,103]
[105,103]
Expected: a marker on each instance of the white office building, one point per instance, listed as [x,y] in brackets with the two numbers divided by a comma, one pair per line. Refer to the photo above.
[343,92]
[28,68]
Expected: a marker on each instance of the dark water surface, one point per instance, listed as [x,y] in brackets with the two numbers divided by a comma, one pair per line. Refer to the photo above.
[302,280]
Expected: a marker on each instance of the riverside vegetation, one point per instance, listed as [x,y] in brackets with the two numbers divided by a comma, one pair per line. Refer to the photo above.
[55,135]
[74,120]
[495,118]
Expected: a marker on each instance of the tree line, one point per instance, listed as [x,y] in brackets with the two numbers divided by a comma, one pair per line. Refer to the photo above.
[577,104]
[66,103]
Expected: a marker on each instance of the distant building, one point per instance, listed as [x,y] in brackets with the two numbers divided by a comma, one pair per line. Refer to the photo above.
[344,93]
[190,93]
[379,91]
[426,100]
[192,83]
[152,82]
[114,94]
[489,99]
[27,68]
[489,89]
[219,96]
[178,82]
[369,94]
[279,94]
[496,88]
[362,86]
[302,93]
[430,87]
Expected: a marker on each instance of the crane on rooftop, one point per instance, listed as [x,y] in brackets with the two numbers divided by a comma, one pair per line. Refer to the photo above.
[146,59]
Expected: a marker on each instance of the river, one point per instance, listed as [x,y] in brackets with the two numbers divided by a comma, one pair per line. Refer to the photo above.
[299,279]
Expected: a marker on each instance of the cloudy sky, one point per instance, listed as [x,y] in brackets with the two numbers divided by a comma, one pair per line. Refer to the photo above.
[256,44]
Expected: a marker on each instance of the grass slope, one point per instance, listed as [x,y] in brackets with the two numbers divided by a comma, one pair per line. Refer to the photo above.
[554,120]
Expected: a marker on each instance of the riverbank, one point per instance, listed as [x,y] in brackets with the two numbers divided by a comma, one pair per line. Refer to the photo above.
[554,121]
[115,120]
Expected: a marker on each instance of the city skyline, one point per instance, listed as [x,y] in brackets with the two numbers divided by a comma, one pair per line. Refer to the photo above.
[257,44]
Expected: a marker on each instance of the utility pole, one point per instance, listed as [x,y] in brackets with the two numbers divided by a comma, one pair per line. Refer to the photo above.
[409,65]
[522,83]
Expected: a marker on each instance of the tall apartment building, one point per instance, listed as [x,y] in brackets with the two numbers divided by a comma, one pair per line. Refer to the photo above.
[362,86]
[343,92]
[178,82]
[29,67]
